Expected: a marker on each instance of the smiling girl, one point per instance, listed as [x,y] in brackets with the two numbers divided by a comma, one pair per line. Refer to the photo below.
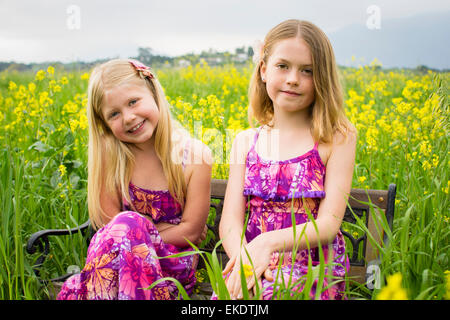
[148,193]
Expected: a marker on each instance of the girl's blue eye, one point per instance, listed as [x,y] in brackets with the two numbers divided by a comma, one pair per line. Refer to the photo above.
[308,71]
[113,114]
[132,102]
[282,66]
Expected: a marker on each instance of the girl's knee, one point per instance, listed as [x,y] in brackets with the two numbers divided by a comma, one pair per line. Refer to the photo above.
[129,226]
[132,220]
[126,217]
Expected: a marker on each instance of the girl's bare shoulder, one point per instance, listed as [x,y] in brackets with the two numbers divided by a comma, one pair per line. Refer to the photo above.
[341,143]
[241,145]
[245,137]
[345,140]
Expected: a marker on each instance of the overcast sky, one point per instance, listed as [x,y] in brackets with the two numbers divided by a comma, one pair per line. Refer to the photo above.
[71,30]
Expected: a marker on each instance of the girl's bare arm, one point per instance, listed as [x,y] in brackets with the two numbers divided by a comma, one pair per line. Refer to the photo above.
[233,212]
[197,202]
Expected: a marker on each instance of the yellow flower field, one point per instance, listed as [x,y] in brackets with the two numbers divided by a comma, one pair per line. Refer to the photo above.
[402,118]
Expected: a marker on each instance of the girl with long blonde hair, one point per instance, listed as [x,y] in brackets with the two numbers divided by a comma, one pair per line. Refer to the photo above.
[143,171]
[280,167]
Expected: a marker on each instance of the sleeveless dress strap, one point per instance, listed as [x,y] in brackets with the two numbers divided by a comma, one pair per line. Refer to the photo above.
[126,206]
[258,130]
[316,145]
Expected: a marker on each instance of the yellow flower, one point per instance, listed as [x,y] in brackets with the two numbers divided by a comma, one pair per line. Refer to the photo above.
[425,148]
[73,124]
[53,86]
[83,120]
[375,63]
[187,107]
[40,75]
[62,170]
[199,276]
[393,290]
[225,90]
[64,80]
[426,165]
[446,188]
[416,95]
[85,76]
[371,138]
[397,100]
[70,107]
[31,87]
[50,70]
[404,107]
[435,160]
[44,99]
[218,121]
[248,271]
[362,179]
[202,102]
[12,86]
[234,124]
[197,114]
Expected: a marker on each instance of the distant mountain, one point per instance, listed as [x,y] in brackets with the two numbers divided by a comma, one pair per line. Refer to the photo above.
[406,42]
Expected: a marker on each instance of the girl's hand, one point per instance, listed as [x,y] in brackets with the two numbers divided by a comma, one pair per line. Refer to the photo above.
[229,265]
[260,255]
[267,273]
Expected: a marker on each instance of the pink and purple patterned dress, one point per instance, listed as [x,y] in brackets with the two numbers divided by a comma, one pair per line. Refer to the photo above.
[122,257]
[274,189]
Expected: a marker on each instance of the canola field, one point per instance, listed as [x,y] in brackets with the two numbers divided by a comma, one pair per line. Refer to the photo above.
[402,118]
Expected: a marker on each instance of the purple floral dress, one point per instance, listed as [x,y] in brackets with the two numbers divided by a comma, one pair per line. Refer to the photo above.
[273,190]
[122,257]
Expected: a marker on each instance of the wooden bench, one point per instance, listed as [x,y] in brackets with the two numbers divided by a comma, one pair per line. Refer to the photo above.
[367,205]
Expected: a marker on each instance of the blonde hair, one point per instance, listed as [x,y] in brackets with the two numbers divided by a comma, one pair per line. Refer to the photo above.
[111,161]
[327,111]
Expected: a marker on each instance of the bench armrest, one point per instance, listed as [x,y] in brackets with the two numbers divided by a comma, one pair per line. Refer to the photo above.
[39,240]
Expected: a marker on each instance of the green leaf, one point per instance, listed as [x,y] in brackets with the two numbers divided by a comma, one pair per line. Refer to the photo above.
[40,146]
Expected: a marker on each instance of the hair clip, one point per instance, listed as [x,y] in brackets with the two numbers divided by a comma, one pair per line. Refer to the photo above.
[146,71]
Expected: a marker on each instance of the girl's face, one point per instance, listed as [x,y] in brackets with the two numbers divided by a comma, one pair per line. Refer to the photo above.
[131,113]
[288,75]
